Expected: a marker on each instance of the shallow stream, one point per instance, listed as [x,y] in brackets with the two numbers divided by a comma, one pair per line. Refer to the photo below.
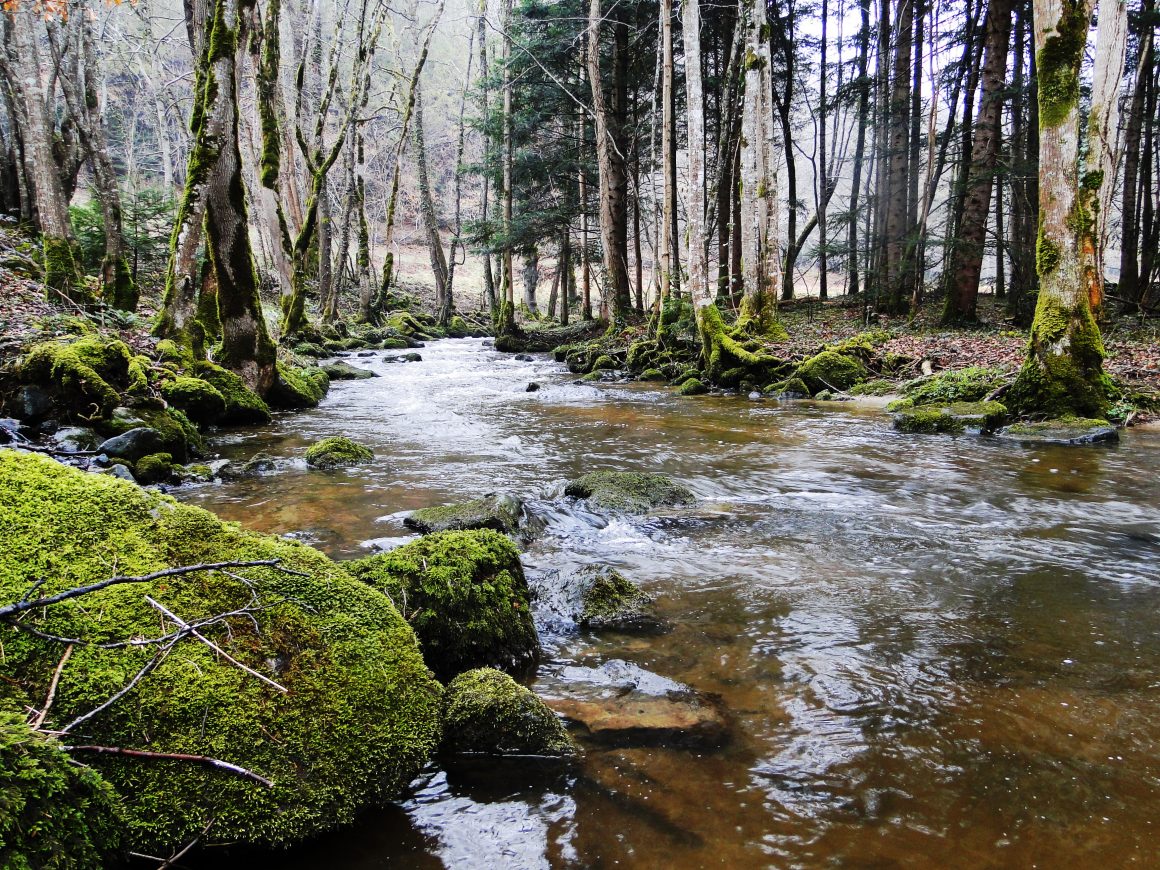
[934,651]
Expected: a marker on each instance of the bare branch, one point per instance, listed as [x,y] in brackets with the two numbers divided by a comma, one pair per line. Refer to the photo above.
[174,756]
[38,720]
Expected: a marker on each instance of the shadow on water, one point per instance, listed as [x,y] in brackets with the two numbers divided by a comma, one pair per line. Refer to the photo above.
[934,651]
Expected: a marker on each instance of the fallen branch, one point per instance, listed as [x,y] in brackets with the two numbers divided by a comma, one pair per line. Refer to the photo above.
[39,718]
[216,763]
[127,688]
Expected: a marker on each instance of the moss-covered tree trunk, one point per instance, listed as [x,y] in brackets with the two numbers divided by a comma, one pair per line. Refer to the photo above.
[1063,374]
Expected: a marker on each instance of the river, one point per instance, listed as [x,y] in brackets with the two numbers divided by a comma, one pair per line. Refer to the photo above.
[934,651]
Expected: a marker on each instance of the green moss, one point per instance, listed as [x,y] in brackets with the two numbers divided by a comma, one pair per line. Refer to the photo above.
[593,376]
[337,452]
[154,468]
[960,385]
[298,388]
[465,595]
[357,723]
[831,370]
[927,421]
[63,275]
[612,601]
[197,399]
[693,387]
[877,387]
[721,351]
[954,418]
[791,388]
[86,374]
[169,351]
[1058,64]
[604,363]
[639,354]
[486,711]
[54,813]
[651,375]
[501,513]
[1047,254]
[629,491]
[243,406]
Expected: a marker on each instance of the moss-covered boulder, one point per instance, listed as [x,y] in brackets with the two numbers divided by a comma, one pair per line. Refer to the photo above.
[830,370]
[486,711]
[155,468]
[54,812]
[242,405]
[693,387]
[790,388]
[971,384]
[876,387]
[198,399]
[296,388]
[358,719]
[344,371]
[337,452]
[651,375]
[86,375]
[465,595]
[1071,431]
[500,512]
[176,432]
[953,418]
[629,491]
[610,601]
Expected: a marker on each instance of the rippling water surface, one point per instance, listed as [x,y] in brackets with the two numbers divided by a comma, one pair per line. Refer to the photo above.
[935,651]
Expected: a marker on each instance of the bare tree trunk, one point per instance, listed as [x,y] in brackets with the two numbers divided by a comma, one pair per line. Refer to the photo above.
[1129,213]
[853,278]
[585,265]
[898,161]
[488,277]
[668,169]
[507,280]
[438,258]
[823,181]
[531,257]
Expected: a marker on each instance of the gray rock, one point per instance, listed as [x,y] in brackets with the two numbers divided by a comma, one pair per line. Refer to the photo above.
[532,387]
[500,512]
[1072,432]
[75,439]
[343,371]
[35,403]
[132,445]
[755,396]
[603,599]
[121,472]
[523,357]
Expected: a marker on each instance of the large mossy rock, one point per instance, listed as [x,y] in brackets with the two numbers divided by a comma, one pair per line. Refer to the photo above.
[358,721]
[297,388]
[500,512]
[337,452]
[1070,431]
[465,595]
[86,375]
[953,418]
[629,491]
[830,370]
[200,400]
[486,711]
[54,813]
[344,371]
[242,405]
[971,384]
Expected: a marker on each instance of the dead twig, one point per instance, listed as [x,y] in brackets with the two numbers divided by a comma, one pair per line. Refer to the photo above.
[216,763]
[39,718]
[150,665]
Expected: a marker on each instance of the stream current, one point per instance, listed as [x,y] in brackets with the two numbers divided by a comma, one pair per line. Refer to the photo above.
[934,651]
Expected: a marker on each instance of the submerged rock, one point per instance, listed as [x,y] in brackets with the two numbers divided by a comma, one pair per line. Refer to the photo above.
[360,714]
[621,704]
[342,371]
[486,711]
[465,595]
[628,491]
[500,512]
[337,452]
[607,600]
[953,418]
[1067,431]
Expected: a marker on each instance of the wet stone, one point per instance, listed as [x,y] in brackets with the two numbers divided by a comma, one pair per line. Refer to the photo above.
[1069,431]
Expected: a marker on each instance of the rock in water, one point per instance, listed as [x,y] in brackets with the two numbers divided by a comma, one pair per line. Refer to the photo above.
[500,512]
[609,601]
[486,711]
[630,492]
[1068,431]
[133,444]
[951,418]
[343,371]
[621,704]
[337,452]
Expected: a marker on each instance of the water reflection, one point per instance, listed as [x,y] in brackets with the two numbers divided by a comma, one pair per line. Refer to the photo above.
[935,651]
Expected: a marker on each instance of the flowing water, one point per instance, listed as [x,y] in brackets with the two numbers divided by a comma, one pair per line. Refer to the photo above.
[934,651]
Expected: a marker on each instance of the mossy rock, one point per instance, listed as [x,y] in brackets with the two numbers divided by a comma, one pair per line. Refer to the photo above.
[465,595]
[296,388]
[87,375]
[831,370]
[199,400]
[54,812]
[651,375]
[693,387]
[953,418]
[610,601]
[308,348]
[629,491]
[343,371]
[176,432]
[337,452]
[790,388]
[243,405]
[154,468]
[876,387]
[971,384]
[358,721]
[500,513]
[169,351]
[593,376]
[487,712]
[604,363]
[1071,431]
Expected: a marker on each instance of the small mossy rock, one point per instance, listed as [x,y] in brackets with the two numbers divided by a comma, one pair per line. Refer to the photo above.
[86,374]
[259,463]
[693,387]
[200,400]
[876,387]
[831,370]
[604,362]
[465,595]
[499,512]
[358,721]
[54,812]
[791,388]
[337,452]
[154,468]
[296,388]
[75,439]
[629,491]
[824,396]
[243,406]
[133,444]
[343,371]
[169,351]
[610,601]
[651,375]
[593,376]
[532,387]
[178,434]
[307,348]
[486,711]
[1072,431]
[953,418]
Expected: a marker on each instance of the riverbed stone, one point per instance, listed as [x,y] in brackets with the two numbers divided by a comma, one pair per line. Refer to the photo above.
[75,439]
[344,371]
[950,418]
[1071,431]
[464,594]
[337,452]
[498,511]
[606,600]
[620,704]
[629,491]
[486,711]
[133,444]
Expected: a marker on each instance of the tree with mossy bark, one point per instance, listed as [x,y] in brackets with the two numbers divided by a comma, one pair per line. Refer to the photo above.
[1063,374]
